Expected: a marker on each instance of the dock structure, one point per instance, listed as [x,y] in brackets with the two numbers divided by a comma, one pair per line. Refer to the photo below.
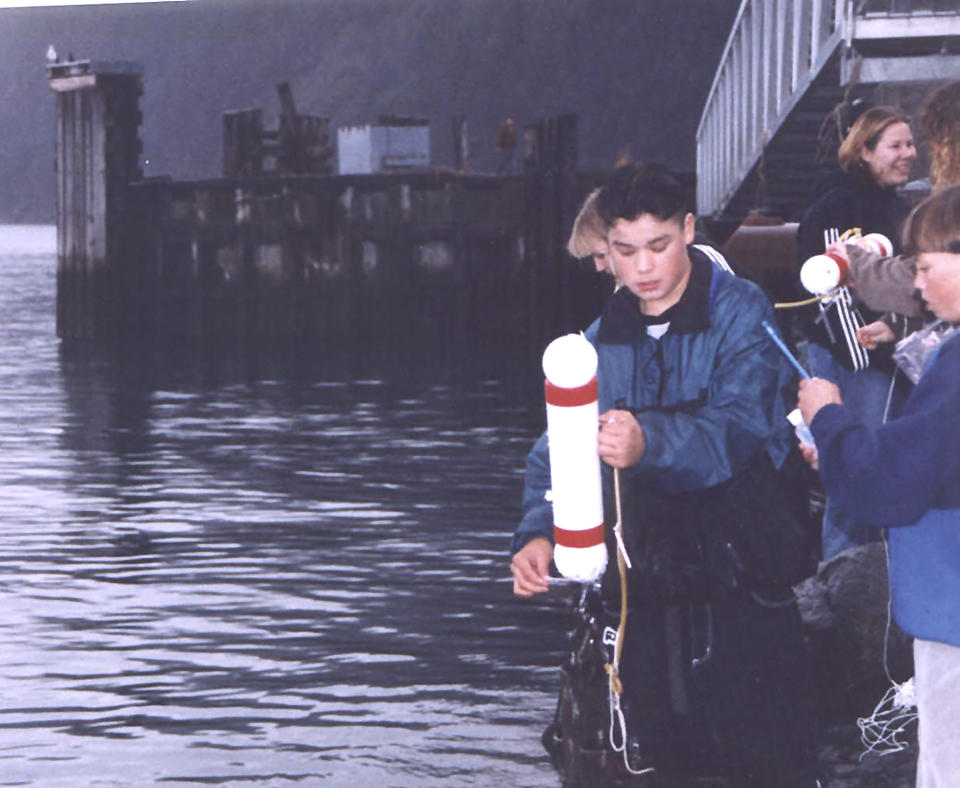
[788,69]
[97,157]
[281,248]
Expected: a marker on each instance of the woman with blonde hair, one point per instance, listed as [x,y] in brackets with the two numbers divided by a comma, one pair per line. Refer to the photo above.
[875,158]
[886,283]
[588,238]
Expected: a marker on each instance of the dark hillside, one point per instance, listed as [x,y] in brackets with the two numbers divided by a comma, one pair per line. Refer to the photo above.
[636,71]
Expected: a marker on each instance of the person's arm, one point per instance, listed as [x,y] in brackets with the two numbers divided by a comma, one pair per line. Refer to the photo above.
[694,450]
[537,520]
[876,333]
[892,474]
[885,284]
[532,545]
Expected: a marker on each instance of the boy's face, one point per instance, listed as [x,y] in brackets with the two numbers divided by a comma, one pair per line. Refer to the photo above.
[938,280]
[650,258]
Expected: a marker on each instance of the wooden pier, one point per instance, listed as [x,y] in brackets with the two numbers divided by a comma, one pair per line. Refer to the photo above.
[289,251]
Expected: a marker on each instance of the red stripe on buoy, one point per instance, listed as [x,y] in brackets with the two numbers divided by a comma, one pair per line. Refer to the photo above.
[841,264]
[588,538]
[570,398]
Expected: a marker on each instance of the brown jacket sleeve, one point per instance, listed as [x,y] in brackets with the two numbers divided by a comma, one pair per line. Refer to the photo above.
[884,284]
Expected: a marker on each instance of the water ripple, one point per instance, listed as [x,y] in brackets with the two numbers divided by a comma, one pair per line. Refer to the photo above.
[215,576]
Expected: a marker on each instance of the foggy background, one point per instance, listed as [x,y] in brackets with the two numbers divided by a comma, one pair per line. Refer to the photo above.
[635,71]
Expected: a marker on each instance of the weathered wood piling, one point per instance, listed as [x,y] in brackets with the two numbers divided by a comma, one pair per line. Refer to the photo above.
[97,157]
[278,247]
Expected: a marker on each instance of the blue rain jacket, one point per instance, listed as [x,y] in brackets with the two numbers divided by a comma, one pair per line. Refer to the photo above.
[710,394]
[905,475]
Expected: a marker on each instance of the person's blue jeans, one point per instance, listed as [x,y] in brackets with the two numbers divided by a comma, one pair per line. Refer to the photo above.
[865,393]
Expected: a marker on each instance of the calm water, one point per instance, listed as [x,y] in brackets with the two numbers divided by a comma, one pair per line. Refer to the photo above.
[236,571]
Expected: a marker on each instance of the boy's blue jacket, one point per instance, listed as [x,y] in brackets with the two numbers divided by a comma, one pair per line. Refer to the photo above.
[709,393]
[906,475]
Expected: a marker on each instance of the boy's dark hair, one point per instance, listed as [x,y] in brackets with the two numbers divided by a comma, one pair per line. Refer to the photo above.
[636,189]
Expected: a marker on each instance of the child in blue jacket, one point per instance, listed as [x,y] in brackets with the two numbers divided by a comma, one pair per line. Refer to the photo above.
[905,475]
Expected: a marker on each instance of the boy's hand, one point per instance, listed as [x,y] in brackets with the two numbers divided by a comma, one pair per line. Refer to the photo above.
[530,566]
[621,442]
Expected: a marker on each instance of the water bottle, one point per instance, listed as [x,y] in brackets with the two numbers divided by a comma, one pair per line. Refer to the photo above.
[801,430]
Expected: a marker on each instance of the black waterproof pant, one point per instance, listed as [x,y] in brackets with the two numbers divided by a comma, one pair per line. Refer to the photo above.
[721,688]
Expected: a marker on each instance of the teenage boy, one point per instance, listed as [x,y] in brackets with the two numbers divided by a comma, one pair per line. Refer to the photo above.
[692,393]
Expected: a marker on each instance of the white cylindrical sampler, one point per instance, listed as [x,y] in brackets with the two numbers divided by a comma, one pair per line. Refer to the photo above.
[570,367]
[823,273]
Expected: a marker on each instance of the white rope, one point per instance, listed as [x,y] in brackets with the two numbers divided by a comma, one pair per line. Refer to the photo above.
[883,730]
[621,547]
[614,686]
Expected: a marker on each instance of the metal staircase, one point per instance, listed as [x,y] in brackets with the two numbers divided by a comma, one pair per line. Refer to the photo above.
[786,66]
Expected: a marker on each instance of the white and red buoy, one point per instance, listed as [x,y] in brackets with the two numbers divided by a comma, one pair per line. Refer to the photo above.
[570,367]
[823,273]
[828,271]
[876,243]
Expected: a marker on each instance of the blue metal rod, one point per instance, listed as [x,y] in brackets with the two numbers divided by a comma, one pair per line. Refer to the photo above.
[784,349]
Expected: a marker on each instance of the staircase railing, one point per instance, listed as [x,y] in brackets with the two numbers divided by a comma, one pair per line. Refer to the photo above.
[775,50]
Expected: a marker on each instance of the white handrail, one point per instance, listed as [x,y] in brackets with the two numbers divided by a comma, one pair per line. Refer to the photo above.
[774,51]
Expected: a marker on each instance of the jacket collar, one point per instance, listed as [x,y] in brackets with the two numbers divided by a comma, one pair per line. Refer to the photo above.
[622,321]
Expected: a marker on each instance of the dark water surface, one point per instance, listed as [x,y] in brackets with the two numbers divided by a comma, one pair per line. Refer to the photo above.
[234,571]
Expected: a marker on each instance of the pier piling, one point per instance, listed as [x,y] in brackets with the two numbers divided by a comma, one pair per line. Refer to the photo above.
[280,248]
[97,156]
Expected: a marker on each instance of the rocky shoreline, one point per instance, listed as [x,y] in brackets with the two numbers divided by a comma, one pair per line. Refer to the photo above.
[853,646]
[842,766]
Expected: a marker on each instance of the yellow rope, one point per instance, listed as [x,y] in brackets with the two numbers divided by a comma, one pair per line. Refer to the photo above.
[806,301]
[849,233]
[614,668]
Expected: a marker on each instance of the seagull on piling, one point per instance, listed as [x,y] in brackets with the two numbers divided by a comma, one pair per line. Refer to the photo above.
[52,56]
